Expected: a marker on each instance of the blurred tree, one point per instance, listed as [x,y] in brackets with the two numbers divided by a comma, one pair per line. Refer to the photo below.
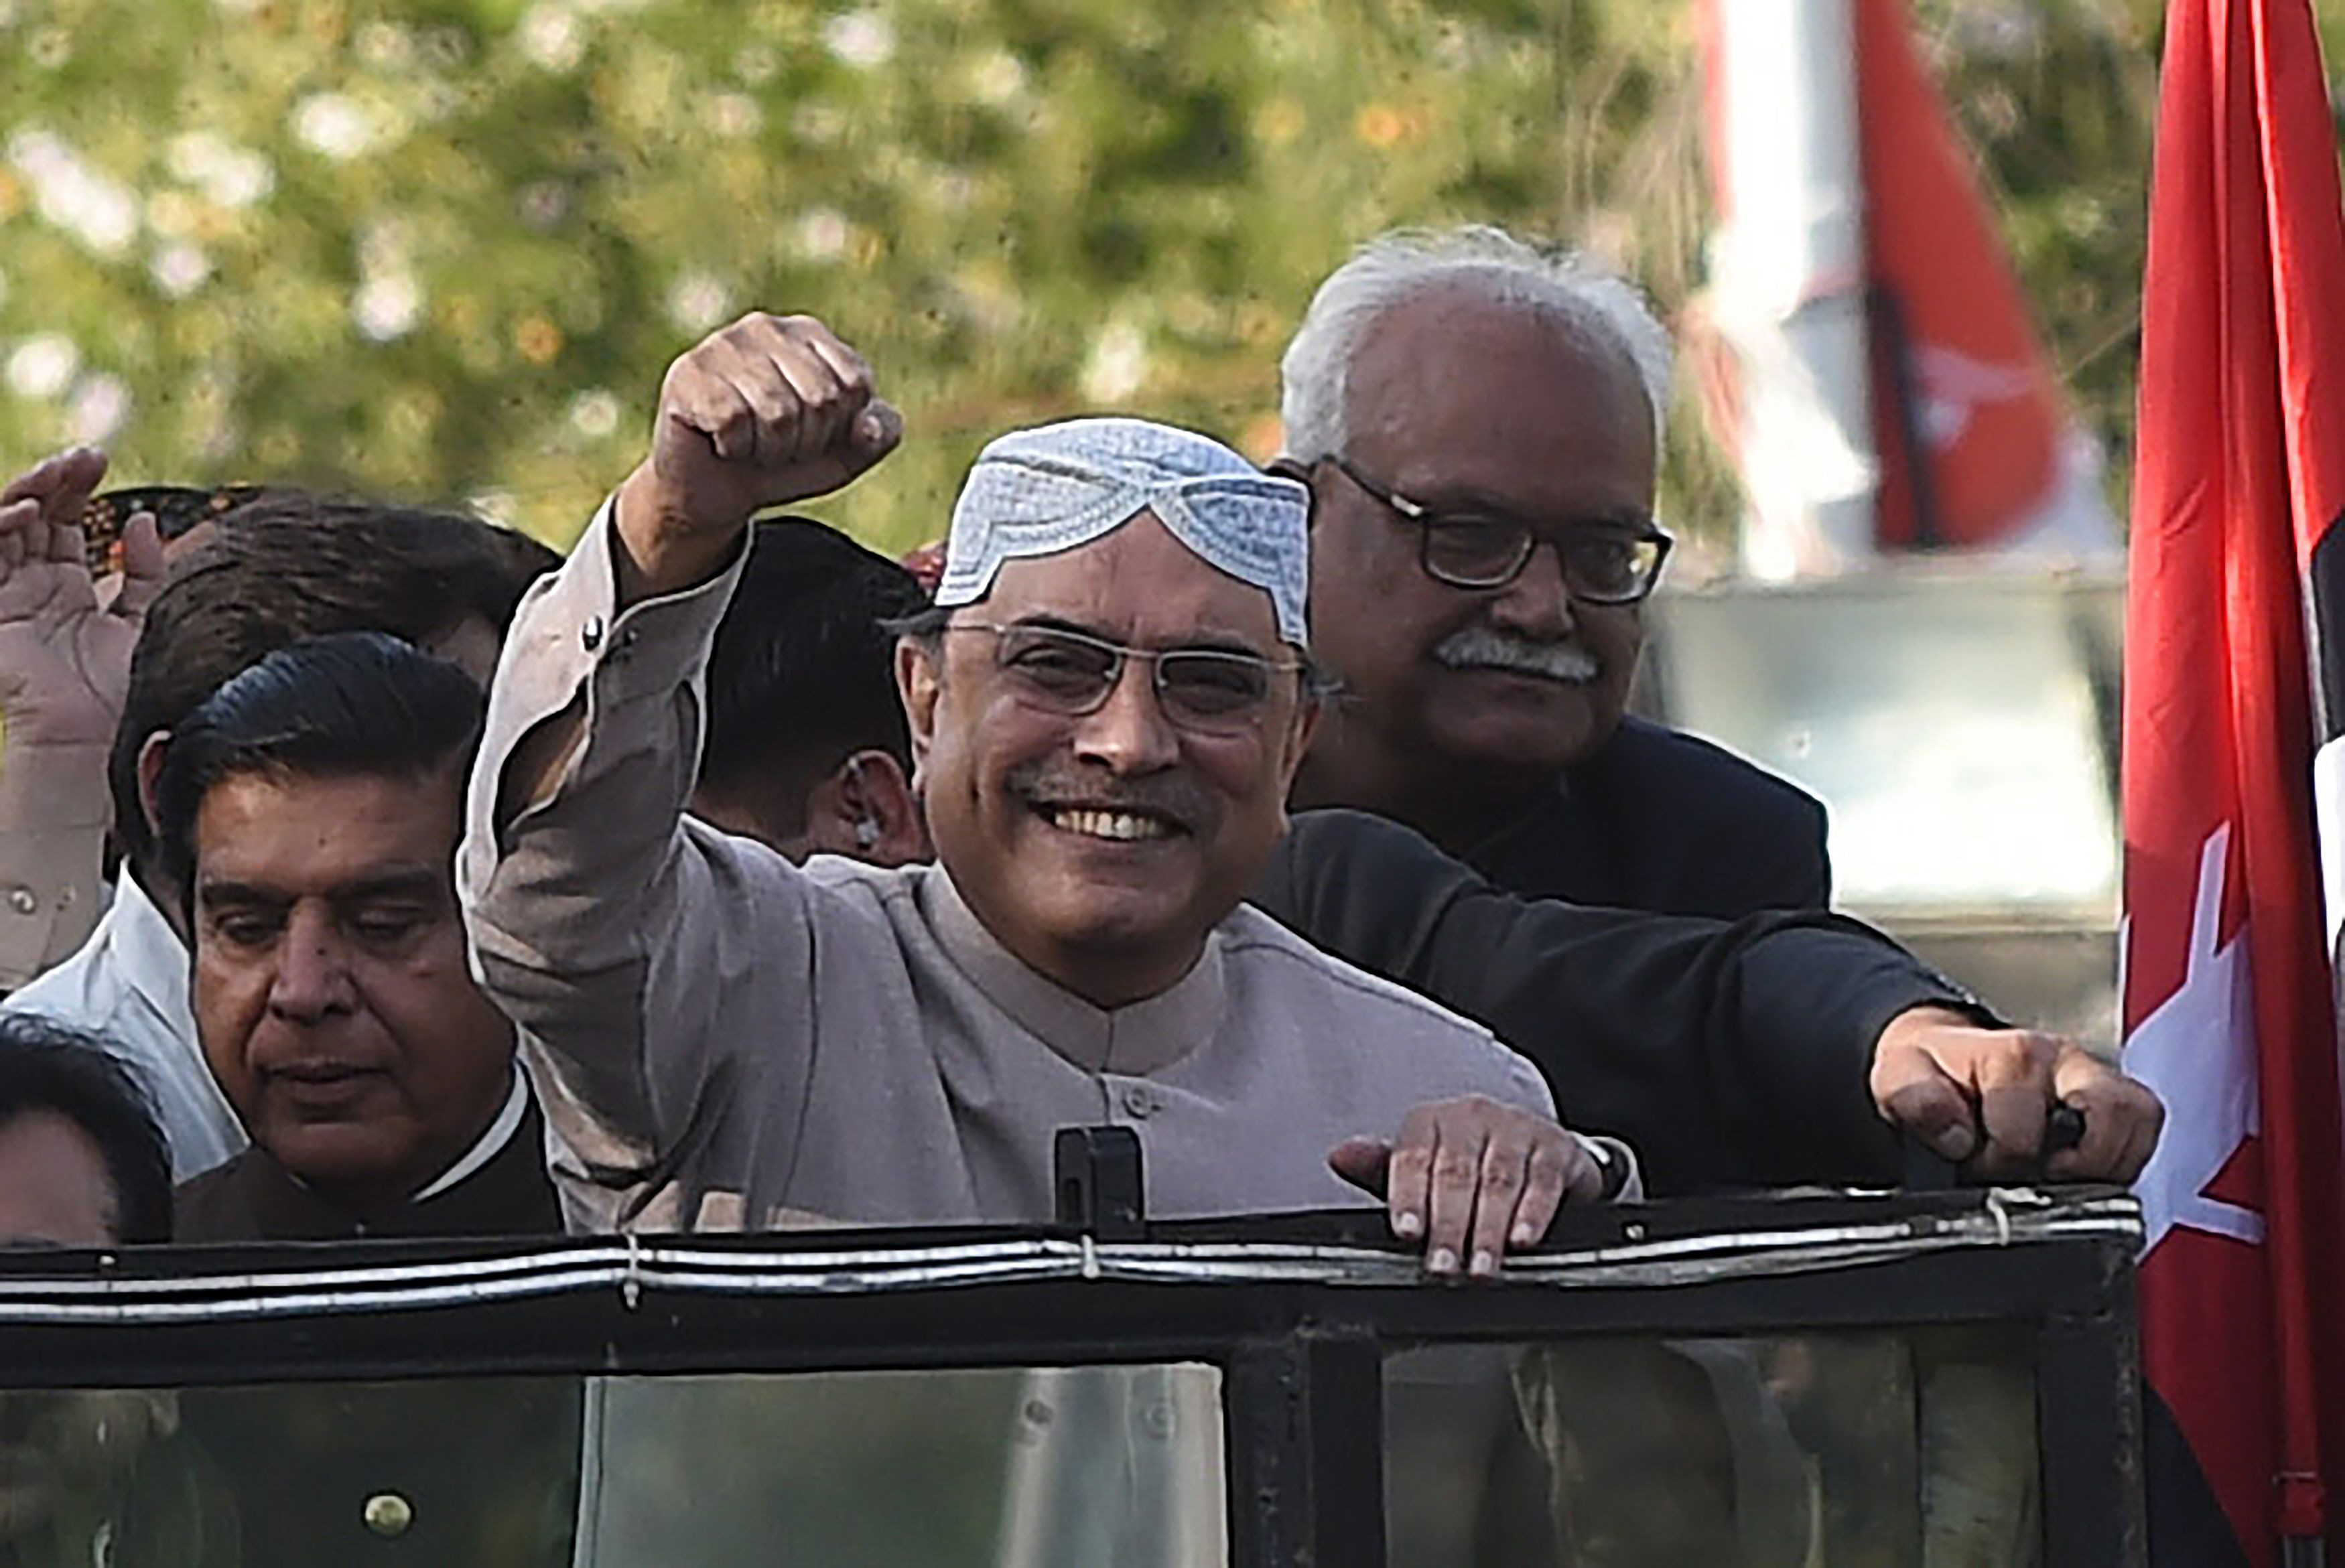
[445,248]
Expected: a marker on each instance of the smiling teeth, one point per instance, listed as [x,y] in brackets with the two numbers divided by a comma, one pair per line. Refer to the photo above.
[1117,825]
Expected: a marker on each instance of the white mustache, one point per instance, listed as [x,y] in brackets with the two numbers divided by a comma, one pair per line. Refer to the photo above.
[1479,647]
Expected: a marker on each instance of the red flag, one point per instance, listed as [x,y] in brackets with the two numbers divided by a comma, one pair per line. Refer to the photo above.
[1972,436]
[2229,1012]
[1964,402]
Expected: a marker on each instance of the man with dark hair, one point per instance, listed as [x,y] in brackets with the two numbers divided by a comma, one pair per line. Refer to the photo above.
[309,809]
[808,750]
[82,1160]
[295,566]
[284,567]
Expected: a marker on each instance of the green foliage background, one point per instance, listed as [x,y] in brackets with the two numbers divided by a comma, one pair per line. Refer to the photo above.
[444,249]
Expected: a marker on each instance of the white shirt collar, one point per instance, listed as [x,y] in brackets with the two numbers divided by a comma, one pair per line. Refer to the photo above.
[492,1142]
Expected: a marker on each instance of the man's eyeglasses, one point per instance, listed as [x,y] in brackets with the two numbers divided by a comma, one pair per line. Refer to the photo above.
[1466,548]
[1215,690]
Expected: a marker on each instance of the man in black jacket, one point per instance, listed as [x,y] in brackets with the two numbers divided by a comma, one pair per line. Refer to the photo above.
[310,808]
[1480,424]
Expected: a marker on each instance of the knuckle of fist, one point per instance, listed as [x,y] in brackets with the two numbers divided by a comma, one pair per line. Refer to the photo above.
[1455,1167]
[1503,1176]
[1923,1100]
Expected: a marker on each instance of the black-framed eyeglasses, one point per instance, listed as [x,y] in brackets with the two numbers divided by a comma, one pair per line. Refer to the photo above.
[1602,564]
[1064,670]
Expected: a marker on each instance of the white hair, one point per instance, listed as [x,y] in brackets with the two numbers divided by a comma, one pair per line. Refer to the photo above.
[1561,285]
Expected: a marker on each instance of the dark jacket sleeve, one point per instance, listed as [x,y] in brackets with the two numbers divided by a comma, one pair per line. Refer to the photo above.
[1729,1054]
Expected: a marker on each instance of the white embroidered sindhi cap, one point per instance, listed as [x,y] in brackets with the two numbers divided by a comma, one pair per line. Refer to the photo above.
[1055,487]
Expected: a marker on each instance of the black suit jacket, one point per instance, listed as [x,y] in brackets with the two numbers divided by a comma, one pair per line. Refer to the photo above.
[254,1198]
[487,1466]
[1660,820]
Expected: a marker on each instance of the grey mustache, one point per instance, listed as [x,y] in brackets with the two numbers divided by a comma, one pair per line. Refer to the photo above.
[1046,781]
[1480,647]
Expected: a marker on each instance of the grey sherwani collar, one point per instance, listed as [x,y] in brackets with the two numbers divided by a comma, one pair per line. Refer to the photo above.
[1134,1041]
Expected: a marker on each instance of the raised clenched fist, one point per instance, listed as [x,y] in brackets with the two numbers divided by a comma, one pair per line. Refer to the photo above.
[768,410]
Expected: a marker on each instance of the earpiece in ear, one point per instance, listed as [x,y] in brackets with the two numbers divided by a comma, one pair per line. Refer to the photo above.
[866,824]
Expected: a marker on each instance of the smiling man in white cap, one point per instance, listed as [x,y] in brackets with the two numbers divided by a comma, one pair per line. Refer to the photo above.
[1106,711]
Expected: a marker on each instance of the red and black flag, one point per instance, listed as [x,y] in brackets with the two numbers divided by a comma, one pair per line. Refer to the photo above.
[2235,783]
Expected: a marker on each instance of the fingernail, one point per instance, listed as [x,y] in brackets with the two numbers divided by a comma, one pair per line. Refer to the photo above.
[1406,1224]
[1522,1235]
[1485,1264]
[1443,1262]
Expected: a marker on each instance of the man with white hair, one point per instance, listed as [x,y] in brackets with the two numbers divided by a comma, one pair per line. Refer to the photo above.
[1478,422]
[1106,713]
[1456,402]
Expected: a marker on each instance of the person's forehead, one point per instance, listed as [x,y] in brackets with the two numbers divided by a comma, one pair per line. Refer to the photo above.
[54,1187]
[1447,363]
[1138,582]
[1433,318]
[306,833]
